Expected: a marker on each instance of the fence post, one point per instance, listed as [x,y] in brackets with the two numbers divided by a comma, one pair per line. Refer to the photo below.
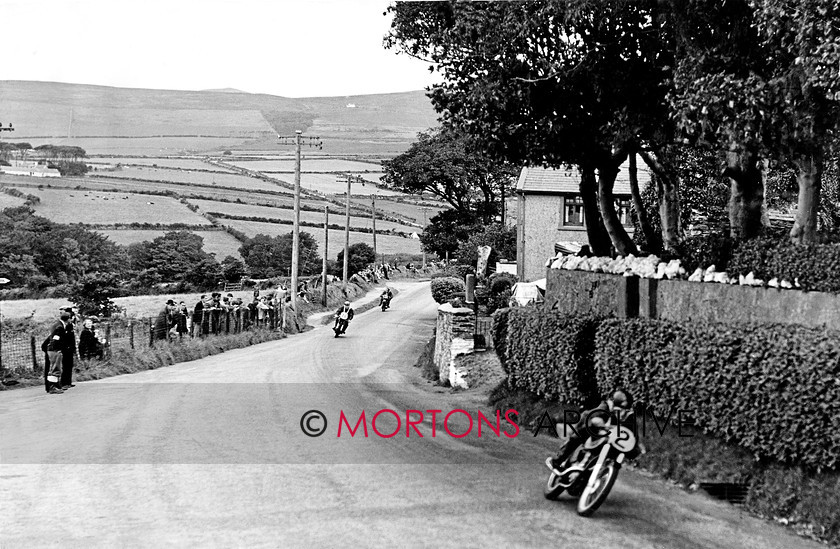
[131,334]
[151,333]
[108,339]
[34,352]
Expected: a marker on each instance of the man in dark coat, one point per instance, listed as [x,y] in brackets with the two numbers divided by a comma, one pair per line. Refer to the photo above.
[69,354]
[165,321]
[54,347]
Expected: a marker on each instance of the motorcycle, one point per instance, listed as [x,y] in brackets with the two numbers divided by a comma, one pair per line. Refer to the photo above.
[591,471]
[384,302]
[341,322]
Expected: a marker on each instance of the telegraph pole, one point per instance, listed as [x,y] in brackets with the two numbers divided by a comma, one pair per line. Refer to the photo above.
[296,227]
[373,218]
[326,248]
[421,245]
[347,231]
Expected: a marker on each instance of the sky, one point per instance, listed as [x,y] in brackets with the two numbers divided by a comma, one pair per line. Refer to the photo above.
[305,48]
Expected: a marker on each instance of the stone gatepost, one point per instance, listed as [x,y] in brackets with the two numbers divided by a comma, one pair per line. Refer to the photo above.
[454,336]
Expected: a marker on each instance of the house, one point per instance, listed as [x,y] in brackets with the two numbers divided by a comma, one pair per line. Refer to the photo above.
[30,168]
[550,211]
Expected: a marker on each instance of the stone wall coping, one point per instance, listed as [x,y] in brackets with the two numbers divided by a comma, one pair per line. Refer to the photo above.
[447,308]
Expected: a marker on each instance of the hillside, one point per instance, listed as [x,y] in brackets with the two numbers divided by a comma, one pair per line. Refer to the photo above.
[106,120]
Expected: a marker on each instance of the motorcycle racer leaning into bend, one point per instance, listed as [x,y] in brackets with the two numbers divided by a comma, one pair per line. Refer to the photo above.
[343,316]
[619,406]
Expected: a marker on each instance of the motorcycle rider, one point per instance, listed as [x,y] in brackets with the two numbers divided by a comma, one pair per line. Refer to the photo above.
[343,316]
[618,406]
[386,297]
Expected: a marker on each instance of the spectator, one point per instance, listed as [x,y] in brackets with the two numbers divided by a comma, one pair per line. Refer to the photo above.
[89,346]
[164,321]
[182,316]
[198,317]
[69,355]
[54,346]
[262,308]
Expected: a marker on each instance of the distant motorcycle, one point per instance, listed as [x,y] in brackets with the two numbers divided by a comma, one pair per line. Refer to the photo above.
[592,469]
[385,301]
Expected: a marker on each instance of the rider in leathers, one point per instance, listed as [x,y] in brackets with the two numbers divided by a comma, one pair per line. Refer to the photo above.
[348,312]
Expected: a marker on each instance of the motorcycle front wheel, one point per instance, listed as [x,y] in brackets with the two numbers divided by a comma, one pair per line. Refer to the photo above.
[590,500]
[553,488]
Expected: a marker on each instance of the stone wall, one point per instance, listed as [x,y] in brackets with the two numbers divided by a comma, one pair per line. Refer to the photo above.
[454,336]
[577,292]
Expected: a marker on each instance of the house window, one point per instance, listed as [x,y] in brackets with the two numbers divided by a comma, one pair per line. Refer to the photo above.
[573,211]
[622,208]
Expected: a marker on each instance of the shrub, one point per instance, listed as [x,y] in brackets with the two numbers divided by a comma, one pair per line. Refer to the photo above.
[548,353]
[816,267]
[706,250]
[446,288]
[769,388]
[500,285]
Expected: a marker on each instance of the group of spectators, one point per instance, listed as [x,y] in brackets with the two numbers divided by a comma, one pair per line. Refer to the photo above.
[60,349]
[217,314]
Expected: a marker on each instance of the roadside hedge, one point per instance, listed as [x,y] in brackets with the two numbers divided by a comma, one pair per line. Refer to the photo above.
[446,288]
[772,389]
[816,266]
[548,353]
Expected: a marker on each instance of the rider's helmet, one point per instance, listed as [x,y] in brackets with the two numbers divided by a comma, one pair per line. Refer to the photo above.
[347,303]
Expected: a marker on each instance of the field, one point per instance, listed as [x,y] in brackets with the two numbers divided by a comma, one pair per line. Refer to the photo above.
[193,177]
[7,201]
[309,164]
[100,208]
[215,242]
[327,184]
[405,209]
[177,163]
[385,244]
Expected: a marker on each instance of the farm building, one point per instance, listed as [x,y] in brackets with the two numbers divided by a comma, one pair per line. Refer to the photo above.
[32,169]
[550,210]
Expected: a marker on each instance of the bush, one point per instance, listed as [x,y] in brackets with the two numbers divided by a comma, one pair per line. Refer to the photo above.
[446,288]
[769,388]
[548,353]
[706,250]
[500,289]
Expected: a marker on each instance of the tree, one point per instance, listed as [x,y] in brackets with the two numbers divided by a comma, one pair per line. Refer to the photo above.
[92,294]
[233,269]
[449,165]
[500,238]
[271,256]
[177,256]
[446,231]
[549,83]
[359,257]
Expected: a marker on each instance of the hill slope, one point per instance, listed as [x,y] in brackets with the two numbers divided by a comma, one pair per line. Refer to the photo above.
[52,112]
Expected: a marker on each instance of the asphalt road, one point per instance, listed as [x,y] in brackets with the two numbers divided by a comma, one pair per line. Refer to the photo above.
[212,453]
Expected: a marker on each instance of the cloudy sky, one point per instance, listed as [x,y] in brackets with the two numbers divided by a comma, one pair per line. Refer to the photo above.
[292,48]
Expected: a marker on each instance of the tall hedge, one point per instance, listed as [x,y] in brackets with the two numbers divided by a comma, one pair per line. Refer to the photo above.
[447,287]
[548,353]
[772,389]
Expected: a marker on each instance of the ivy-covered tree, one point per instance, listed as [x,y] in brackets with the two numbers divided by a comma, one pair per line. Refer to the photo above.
[271,256]
[359,257]
[445,231]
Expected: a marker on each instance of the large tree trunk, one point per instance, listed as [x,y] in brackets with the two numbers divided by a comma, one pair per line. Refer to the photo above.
[668,192]
[651,242]
[809,176]
[624,245]
[599,240]
[746,199]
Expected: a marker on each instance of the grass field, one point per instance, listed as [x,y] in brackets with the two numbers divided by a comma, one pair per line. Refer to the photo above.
[251,210]
[215,242]
[69,206]
[309,164]
[7,201]
[180,163]
[327,184]
[194,177]
[384,243]
[412,211]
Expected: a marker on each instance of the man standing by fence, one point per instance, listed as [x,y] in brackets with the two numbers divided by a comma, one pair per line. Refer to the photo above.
[54,347]
[69,352]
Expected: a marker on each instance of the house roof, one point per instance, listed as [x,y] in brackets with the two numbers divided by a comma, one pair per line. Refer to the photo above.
[533,179]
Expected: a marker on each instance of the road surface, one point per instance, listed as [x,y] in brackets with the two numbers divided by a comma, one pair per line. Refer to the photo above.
[212,453]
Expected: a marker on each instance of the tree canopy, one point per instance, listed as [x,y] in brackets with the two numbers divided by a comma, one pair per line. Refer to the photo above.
[269,256]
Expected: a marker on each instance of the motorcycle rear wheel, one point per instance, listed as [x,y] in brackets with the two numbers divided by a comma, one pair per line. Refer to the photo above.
[553,488]
[590,501]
